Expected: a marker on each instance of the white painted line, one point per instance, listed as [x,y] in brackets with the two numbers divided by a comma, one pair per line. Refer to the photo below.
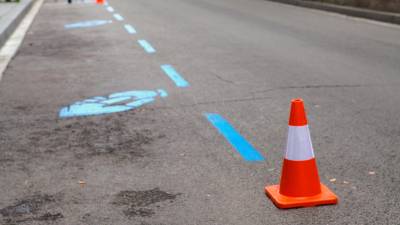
[9,49]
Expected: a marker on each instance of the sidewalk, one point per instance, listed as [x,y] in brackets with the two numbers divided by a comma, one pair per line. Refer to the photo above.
[346,10]
[11,15]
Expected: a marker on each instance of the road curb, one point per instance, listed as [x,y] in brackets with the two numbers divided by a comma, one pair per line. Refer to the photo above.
[351,11]
[13,20]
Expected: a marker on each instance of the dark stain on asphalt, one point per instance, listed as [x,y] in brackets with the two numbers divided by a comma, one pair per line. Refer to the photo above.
[30,209]
[23,108]
[67,45]
[145,223]
[142,203]
[118,139]
[94,137]
[50,217]
[29,205]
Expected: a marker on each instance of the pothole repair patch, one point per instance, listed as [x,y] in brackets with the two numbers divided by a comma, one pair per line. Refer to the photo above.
[142,203]
[33,208]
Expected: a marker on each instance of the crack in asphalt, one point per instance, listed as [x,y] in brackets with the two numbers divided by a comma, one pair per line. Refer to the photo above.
[223,79]
[316,87]
[276,89]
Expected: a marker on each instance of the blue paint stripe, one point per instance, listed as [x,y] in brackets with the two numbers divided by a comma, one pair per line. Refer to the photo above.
[110,9]
[234,138]
[175,76]
[118,17]
[116,100]
[86,24]
[162,93]
[147,46]
[130,29]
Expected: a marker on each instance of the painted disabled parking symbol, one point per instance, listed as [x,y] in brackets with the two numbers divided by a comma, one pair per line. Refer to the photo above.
[117,102]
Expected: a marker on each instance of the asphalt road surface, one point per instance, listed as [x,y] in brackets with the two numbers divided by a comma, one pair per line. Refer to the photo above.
[163,162]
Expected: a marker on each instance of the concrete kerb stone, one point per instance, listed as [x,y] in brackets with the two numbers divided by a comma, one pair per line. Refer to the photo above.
[11,21]
[350,11]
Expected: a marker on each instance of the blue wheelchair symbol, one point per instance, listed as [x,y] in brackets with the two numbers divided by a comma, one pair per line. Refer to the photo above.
[117,102]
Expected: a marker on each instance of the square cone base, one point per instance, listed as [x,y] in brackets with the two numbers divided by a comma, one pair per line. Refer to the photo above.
[326,197]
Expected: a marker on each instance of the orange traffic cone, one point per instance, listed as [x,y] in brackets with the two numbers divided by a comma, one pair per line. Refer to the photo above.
[100,1]
[300,185]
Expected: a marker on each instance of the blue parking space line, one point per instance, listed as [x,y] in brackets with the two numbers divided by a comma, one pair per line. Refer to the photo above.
[110,9]
[130,29]
[147,46]
[174,76]
[118,17]
[87,24]
[162,93]
[245,149]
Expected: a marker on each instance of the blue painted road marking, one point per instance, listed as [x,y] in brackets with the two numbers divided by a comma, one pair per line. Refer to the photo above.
[234,138]
[118,17]
[85,24]
[174,76]
[117,102]
[110,9]
[147,46]
[162,93]
[130,29]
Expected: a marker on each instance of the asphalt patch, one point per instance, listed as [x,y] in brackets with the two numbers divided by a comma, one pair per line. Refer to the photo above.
[87,138]
[111,137]
[33,208]
[57,45]
[142,203]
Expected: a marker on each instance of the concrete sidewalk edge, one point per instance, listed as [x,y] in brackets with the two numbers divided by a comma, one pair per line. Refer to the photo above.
[351,11]
[16,17]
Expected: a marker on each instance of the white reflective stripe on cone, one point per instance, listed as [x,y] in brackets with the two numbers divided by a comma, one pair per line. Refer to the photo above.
[299,146]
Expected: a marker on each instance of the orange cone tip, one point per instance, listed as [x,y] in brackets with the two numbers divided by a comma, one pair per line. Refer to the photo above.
[297,113]
[100,1]
[300,185]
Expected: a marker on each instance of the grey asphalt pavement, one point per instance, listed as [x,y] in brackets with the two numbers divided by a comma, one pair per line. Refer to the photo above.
[164,163]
